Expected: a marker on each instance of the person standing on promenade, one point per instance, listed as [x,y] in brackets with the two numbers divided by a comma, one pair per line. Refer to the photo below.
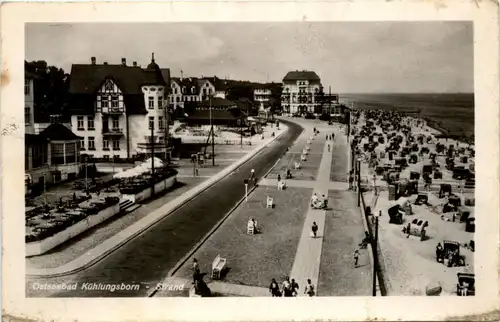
[356,257]
[328,147]
[287,287]
[309,290]
[295,288]
[314,229]
[196,270]
[274,289]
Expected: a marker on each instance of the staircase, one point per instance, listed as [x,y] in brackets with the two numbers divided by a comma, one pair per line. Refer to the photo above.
[128,206]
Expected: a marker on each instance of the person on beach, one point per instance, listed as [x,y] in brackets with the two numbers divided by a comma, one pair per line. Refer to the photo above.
[274,288]
[356,257]
[314,230]
[309,289]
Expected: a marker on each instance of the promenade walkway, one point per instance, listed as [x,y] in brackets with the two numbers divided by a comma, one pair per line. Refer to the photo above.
[308,257]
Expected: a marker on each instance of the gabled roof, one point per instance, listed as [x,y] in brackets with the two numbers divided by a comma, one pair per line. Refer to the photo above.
[219,84]
[58,132]
[218,102]
[87,79]
[305,75]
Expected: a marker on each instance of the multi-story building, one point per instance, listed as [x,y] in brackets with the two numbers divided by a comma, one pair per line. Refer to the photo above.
[192,89]
[29,103]
[301,90]
[261,96]
[115,107]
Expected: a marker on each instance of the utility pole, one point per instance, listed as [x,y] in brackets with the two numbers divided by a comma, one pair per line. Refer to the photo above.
[213,134]
[166,128]
[375,255]
[152,159]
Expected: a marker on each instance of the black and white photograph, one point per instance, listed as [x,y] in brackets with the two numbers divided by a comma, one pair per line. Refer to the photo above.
[252,159]
[205,164]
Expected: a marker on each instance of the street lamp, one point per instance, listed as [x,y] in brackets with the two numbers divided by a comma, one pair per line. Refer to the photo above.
[375,254]
[245,181]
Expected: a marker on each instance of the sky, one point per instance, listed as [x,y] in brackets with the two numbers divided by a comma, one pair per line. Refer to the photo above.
[351,57]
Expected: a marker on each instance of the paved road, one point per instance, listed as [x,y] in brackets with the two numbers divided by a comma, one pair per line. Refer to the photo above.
[146,259]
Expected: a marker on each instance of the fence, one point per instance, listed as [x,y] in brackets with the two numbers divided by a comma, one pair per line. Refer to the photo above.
[219,141]
[378,257]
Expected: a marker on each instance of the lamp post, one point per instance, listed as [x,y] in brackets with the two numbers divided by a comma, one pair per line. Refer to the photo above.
[375,255]
[86,183]
[359,182]
[245,181]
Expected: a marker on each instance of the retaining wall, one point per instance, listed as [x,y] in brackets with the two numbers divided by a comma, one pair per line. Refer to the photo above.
[43,246]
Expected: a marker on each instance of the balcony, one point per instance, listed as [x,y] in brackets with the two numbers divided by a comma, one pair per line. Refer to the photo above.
[112,110]
[112,132]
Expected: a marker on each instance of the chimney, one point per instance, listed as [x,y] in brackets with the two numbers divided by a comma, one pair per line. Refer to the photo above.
[182,75]
[134,64]
[92,59]
[124,62]
[105,63]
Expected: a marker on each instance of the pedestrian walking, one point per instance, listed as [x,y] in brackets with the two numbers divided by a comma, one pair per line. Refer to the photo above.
[328,147]
[309,289]
[325,202]
[295,288]
[314,229]
[333,136]
[274,288]
[356,257]
[287,287]
[327,137]
[279,178]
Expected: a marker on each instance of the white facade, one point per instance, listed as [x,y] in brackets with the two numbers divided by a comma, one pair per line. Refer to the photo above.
[262,95]
[299,97]
[106,134]
[181,93]
[29,106]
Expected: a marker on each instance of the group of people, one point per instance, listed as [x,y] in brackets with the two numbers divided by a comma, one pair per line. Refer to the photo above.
[318,203]
[289,288]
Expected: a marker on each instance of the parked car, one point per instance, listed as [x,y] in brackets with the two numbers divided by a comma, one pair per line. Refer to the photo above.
[296,115]
[310,116]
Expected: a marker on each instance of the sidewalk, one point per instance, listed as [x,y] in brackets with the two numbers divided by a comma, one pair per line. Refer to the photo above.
[106,247]
[308,257]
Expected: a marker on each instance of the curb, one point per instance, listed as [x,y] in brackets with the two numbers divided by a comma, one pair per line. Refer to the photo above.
[222,174]
[186,257]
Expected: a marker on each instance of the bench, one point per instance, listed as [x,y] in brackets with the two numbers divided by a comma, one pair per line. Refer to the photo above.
[281,185]
[217,266]
[269,202]
[296,165]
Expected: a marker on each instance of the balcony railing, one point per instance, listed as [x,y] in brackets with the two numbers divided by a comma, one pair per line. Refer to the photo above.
[112,110]
[113,131]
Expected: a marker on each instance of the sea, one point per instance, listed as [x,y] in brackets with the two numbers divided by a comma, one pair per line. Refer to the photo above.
[453,113]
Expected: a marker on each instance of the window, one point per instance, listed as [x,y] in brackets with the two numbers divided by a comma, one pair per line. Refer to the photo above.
[91,143]
[114,101]
[177,99]
[116,145]
[204,91]
[109,87]
[160,102]
[160,122]
[90,123]
[105,157]
[26,87]
[116,122]
[82,144]
[105,144]
[104,101]
[27,115]
[151,122]
[79,121]
[151,103]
